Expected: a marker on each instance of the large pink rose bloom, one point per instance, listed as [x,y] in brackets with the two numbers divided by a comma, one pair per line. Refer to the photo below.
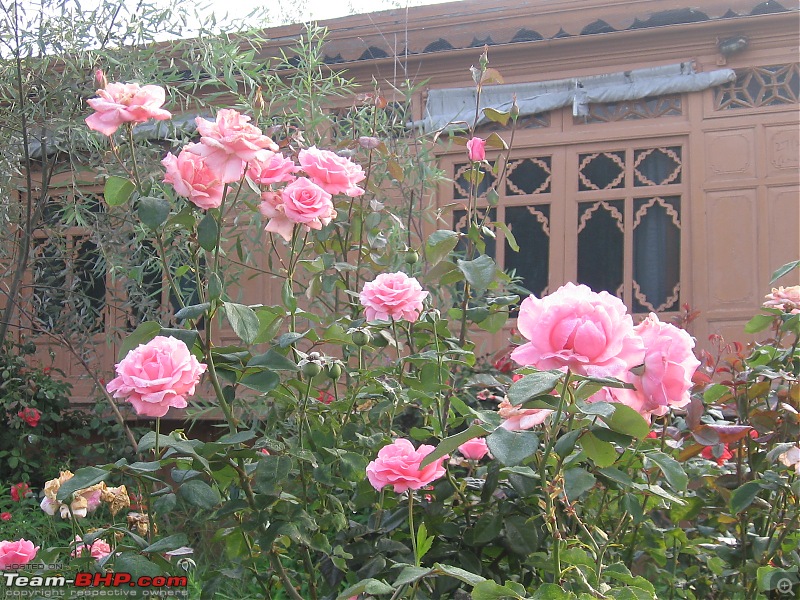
[392,296]
[669,365]
[193,179]
[157,376]
[474,449]
[122,103]
[398,465]
[575,328]
[518,418]
[20,552]
[271,167]
[230,142]
[301,202]
[334,173]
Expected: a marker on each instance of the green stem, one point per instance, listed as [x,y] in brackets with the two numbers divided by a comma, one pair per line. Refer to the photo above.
[411,526]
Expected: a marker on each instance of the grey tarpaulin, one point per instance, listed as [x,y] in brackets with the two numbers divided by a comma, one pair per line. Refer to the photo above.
[448,106]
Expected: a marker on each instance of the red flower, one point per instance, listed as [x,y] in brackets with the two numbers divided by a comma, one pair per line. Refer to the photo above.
[724,456]
[30,415]
[6,516]
[325,397]
[20,491]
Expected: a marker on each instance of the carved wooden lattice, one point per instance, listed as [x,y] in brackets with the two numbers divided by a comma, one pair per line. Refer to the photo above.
[536,121]
[601,171]
[645,108]
[463,180]
[529,176]
[755,87]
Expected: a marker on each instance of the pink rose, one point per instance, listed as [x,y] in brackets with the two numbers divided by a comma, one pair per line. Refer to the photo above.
[398,465]
[392,296]
[669,365]
[20,552]
[301,202]
[576,328]
[5,516]
[230,142]
[271,167]
[476,149]
[98,550]
[193,179]
[122,103]
[517,419]
[335,174]
[156,376]
[785,299]
[474,449]
[30,415]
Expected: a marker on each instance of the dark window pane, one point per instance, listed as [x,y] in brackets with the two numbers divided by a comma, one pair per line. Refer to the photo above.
[601,245]
[89,284]
[601,171]
[531,228]
[656,254]
[529,176]
[49,281]
[460,224]
[657,166]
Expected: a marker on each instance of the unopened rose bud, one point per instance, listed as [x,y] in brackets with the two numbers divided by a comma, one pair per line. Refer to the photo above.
[100,79]
[370,143]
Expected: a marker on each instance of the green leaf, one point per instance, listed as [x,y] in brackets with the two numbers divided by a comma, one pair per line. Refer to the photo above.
[136,565]
[759,323]
[497,116]
[487,528]
[603,454]
[440,243]
[410,574]
[424,542]
[626,420]
[141,335]
[743,496]
[489,590]
[153,211]
[533,385]
[369,586]
[449,444]
[512,241]
[273,360]
[117,190]
[207,232]
[511,448]
[165,504]
[460,574]
[577,482]
[781,271]
[551,591]
[193,311]
[168,543]
[714,393]
[480,272]
[198,493]
[83,478]
[271,472]
[672,469]
[261,381]
[243,320]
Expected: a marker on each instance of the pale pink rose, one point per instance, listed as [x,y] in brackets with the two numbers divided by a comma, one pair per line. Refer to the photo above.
[785,299]
[518,419]
[98,550]
[335,174]
[791,458]
[156,376]
[474,449]
[398,465]
[307,203]
[229,143]
[271,167]
[669,365]
[20,552]
[392,296]
[575,328]
[193,179]
[122,103]
[476,149]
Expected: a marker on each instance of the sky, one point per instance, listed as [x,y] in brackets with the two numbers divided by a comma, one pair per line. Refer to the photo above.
[317,9]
